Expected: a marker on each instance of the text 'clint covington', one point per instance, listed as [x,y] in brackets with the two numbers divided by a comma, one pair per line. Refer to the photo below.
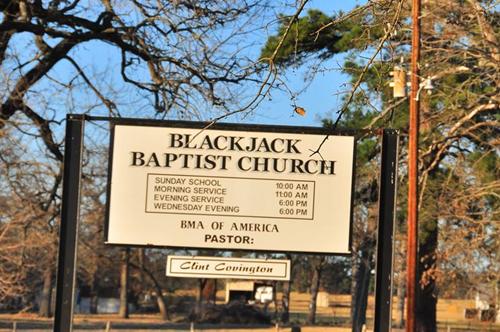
[244,163]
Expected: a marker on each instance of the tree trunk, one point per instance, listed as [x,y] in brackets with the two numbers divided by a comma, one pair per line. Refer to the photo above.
[94,299]
[400,282]
[209,291]
[362,282]
[162,307]
[214,294]
[46,294]
[318,268]
[285,300]
[199,298]
[285,303]
[354,285]
[401,295]
[202,282]
[94,295]
[123,313]
[426,297]
[141,257]
[275,300]
[160,300]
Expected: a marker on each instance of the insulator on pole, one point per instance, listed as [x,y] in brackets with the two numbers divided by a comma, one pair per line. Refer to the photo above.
[398,83]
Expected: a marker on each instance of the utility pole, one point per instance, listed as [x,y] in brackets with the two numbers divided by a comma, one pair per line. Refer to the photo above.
[411,261]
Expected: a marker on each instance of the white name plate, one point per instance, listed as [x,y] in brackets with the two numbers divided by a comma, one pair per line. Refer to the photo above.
[228,268]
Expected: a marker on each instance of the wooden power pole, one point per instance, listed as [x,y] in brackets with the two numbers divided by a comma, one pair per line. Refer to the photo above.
[411,277]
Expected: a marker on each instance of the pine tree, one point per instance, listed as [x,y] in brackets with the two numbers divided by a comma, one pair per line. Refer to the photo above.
[458,156]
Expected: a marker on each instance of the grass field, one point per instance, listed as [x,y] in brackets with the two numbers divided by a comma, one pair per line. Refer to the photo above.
[332,318]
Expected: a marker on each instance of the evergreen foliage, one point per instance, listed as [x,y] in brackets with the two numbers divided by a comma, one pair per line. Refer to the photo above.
[458,152]
[304,41]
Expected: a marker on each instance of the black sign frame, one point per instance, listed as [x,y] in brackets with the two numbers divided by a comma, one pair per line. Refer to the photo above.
[68,236]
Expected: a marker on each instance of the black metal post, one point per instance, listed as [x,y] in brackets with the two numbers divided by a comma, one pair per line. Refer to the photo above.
[385,239]
[68,233]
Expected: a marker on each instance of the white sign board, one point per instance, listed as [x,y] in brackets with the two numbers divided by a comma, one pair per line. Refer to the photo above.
[229,189]
[228,267]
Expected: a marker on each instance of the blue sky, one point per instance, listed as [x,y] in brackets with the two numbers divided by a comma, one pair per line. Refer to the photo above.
[320,97]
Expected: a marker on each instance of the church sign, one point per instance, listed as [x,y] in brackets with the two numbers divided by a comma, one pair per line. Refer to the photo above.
[226,188]
[197,185]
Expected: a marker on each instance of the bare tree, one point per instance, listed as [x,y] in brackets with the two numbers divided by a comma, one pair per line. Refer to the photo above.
[124,282]
[28,229]
[176,55]
[167,59]
[318,263]
[459,128]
